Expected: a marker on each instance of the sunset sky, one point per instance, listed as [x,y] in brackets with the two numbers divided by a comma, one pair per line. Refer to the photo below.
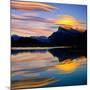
[42,19]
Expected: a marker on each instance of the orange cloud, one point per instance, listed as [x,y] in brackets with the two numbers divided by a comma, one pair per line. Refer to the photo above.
[31,6]
[69,22]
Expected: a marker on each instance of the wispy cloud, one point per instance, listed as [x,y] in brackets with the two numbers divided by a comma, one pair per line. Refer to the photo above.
[31,6]
[30,24]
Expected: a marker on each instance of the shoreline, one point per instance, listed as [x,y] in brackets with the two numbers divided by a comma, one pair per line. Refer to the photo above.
[26,48]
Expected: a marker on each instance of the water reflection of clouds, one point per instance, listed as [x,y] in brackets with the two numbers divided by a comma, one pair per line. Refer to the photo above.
[32,83]
[32,60]
[30,66]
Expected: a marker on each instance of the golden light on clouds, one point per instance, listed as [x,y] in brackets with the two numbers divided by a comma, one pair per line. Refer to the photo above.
[31,6]
[69,22]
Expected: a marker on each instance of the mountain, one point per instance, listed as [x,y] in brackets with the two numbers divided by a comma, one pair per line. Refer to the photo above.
[15,37]
[69,37]
[38,41]
[42,39]
[62,37]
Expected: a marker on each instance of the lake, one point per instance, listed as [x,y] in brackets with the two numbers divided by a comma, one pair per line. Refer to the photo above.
[34,68]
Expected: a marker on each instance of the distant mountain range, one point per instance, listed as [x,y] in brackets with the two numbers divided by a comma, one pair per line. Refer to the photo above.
[62,37]
[18,41]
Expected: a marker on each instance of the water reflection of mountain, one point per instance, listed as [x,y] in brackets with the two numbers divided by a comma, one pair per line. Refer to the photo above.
[60,53]
[67,53]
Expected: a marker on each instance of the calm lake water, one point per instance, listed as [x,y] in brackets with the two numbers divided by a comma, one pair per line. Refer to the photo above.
[48,68]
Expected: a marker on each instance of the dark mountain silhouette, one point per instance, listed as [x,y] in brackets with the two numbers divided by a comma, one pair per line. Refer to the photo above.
[33,41]
[62,37]
[15,37]
[69,37]
[42,39]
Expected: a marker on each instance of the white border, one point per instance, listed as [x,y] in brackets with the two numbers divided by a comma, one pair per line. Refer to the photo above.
[5,45]
[83,2]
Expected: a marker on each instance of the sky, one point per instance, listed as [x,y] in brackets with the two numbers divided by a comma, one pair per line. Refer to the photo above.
[42,19]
